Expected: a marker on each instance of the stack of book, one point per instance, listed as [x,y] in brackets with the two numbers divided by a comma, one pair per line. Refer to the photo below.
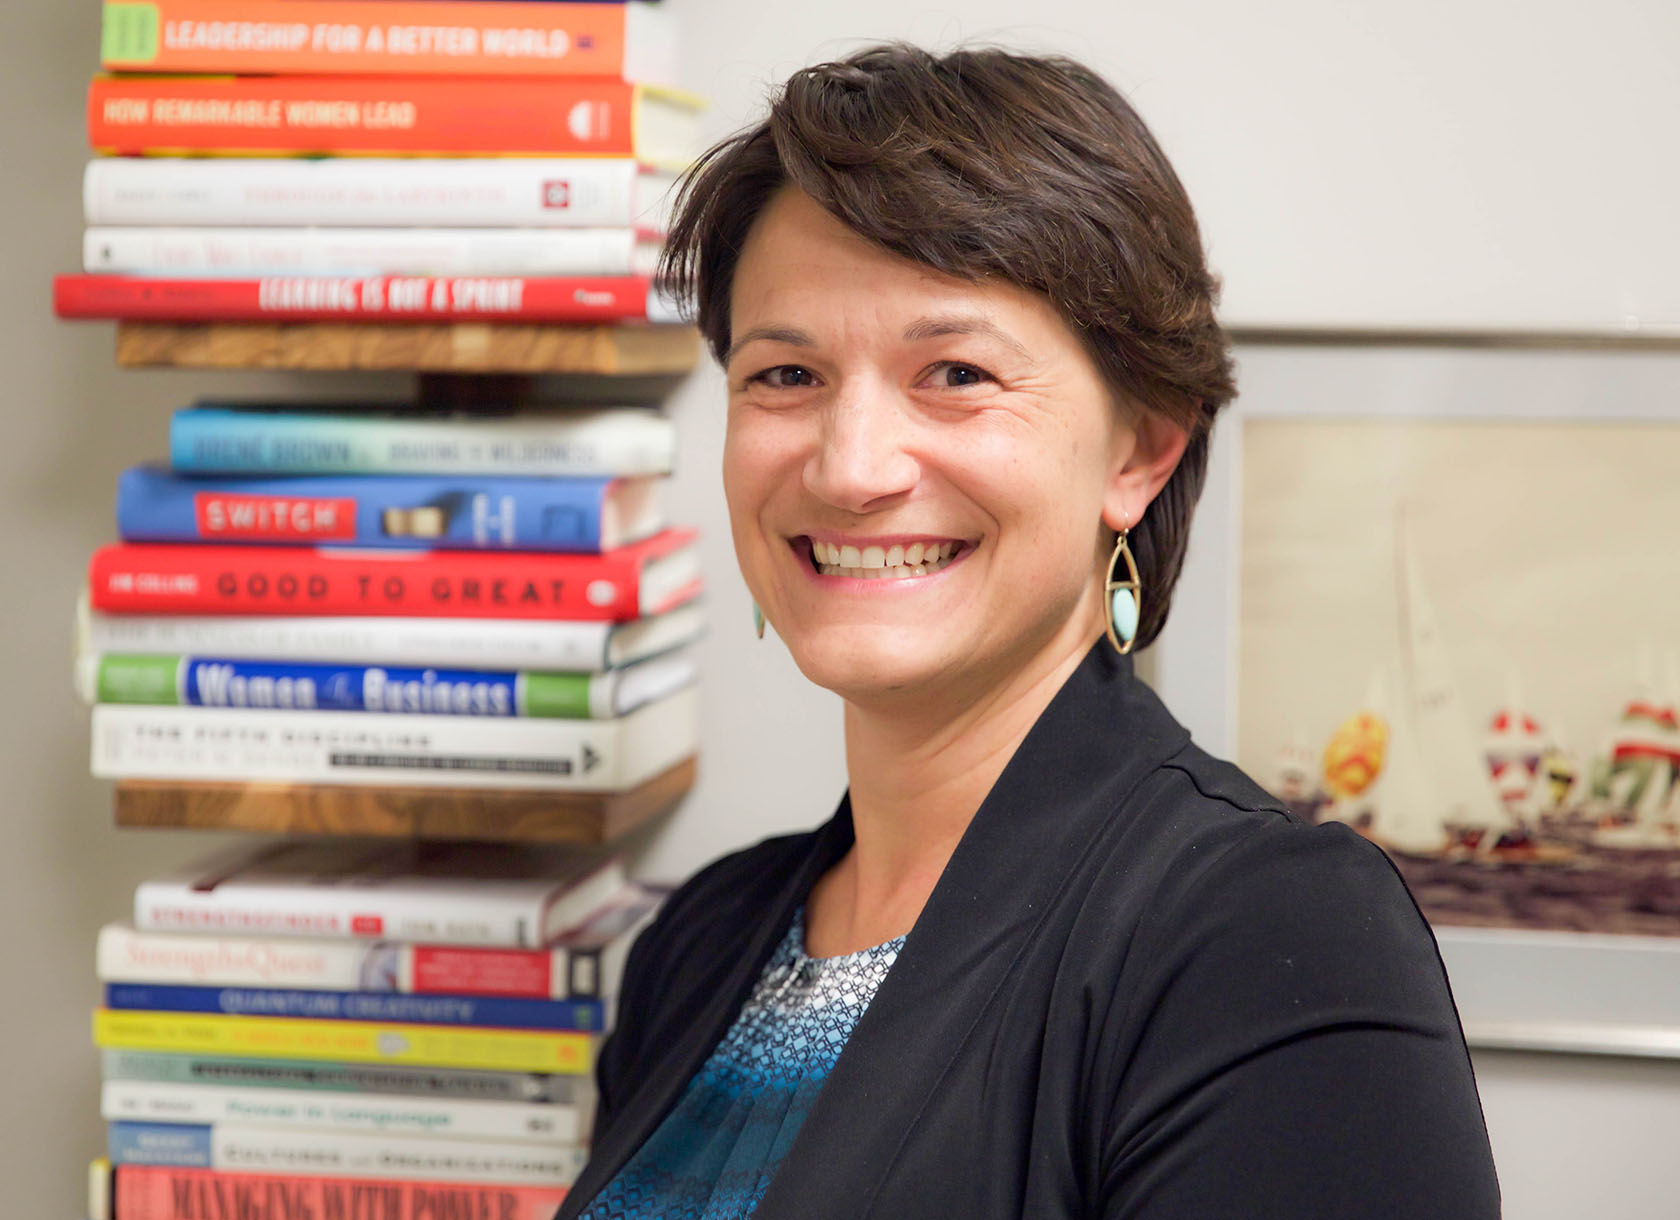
[379,160]
[356,1029]
[290,605]
[405,622]
[509,615]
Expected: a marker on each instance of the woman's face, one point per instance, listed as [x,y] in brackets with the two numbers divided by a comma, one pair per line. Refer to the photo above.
[918,468]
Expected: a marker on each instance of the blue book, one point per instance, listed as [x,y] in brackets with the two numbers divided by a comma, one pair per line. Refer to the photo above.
[185,1145]
[415,512]
[254,439]
[579,1016]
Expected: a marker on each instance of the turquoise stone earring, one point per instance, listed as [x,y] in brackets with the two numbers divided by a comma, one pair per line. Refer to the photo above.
[758,621]
[1124,596]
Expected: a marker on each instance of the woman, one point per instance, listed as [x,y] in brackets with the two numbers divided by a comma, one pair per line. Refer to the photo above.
[1048,959]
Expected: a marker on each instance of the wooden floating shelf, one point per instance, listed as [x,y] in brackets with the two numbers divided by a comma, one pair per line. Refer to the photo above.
[496,815]
[372,346]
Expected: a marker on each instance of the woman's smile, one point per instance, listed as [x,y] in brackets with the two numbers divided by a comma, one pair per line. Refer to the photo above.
[894,559]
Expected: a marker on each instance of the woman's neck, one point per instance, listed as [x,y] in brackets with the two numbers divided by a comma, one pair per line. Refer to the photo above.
[918,775]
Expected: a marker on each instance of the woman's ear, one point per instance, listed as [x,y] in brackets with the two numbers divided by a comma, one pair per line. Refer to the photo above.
[1157,444]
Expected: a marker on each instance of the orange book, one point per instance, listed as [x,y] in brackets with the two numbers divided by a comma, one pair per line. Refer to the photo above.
[634,41]
[169,1192]
[393,116]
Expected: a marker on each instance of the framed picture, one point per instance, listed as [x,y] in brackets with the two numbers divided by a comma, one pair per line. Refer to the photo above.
[1435,593]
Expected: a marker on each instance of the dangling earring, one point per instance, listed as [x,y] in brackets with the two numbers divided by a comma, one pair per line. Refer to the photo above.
[1124,597]
[758,621]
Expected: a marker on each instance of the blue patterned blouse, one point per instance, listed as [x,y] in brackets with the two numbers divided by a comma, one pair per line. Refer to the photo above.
[715,1153]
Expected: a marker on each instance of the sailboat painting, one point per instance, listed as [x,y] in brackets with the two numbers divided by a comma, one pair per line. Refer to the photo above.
[1462,638]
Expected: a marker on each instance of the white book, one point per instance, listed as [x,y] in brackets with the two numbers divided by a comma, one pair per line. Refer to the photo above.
[433,893]
[348,1113]
[240,1148]
[212,251]
[585,962]
[448,643]
[383,749]
[535,192]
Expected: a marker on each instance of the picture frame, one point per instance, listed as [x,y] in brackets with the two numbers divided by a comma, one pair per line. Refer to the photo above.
[1521,989]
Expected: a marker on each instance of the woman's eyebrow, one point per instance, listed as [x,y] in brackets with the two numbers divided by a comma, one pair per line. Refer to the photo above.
[962,324]
[776,334]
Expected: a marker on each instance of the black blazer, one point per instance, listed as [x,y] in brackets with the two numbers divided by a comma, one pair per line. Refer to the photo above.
[1140,989]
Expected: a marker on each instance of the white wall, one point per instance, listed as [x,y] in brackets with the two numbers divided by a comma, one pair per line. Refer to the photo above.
[1576,1137]
[1355,163]
[1436,163]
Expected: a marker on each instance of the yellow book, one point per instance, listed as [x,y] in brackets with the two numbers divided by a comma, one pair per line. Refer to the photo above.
[492,1050]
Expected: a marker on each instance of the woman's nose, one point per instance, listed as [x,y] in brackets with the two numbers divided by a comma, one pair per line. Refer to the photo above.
[860,458]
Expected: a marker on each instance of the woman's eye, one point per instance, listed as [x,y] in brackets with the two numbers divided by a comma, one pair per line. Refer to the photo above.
[785,377]
[953,375]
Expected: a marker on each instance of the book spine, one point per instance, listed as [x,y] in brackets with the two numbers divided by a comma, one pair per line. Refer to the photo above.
[306,115]
[133,1101]
[456,643]
[147,1192]
[577,1016]
[440,1084]
[164,578]
[257,746]
[440,37]
[492,1050]
[612,442]
[126,955]
[569,300]
[526,192]
[216,682]
[280,1150]
[254,252]
[367,913]
[416,512]
[197,959]
[520,1122]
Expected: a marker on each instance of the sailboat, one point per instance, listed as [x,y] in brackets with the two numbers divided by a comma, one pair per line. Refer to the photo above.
[1407,814]
[1515,748]
[1432,744]
[1640,776]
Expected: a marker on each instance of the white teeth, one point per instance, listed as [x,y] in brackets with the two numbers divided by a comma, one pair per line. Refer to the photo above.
[876,562]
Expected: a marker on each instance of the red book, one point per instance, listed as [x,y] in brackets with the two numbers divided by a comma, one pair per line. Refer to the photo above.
[629,582]
[393,116]
[161,1192]
[400,37]
[566,300]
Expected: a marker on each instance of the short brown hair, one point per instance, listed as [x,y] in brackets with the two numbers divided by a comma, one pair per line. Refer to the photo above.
[983,163]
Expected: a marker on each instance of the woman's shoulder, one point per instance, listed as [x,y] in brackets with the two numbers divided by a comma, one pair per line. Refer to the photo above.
[1204,821]
[1247,898]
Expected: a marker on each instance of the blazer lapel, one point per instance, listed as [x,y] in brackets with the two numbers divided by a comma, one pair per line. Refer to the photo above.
[1103,732]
